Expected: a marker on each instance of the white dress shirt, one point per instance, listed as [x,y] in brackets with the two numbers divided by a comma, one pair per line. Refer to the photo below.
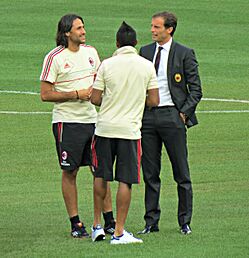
[164,93]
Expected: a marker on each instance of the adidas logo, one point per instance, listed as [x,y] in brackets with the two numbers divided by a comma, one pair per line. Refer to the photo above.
[66,66]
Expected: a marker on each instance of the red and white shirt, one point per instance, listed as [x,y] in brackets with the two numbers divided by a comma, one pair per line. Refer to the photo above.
[70,71]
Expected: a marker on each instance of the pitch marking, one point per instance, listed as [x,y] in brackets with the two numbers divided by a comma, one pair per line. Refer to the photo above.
[45,113]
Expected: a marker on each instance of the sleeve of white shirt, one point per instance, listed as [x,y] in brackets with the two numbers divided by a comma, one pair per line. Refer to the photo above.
[49,70]
[99,83]
[97,60]
[152,84]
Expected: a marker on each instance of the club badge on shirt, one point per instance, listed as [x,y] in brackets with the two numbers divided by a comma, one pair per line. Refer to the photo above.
[91,61]
[178,77]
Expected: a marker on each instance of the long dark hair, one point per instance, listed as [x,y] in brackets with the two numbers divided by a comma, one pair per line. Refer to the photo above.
[65,25]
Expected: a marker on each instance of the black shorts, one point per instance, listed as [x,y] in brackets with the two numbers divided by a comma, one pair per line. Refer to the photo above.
[127,154]
[73,144]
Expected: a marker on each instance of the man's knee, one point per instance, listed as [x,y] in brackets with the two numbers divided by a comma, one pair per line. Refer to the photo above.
[70,173]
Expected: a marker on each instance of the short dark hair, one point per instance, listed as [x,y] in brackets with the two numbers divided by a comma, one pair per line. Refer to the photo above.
[126,35]
[65,25]
[170,20]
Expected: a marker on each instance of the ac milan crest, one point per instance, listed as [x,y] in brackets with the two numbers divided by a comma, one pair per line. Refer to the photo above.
[64,155]
[91,61]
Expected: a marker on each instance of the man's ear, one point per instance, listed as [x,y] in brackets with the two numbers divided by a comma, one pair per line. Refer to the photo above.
[169,30]
[67,34]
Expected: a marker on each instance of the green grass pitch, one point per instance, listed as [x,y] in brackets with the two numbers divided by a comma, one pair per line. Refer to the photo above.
[33,219]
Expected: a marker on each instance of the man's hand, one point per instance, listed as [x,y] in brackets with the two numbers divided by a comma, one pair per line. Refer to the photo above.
[183,117]
[85,94]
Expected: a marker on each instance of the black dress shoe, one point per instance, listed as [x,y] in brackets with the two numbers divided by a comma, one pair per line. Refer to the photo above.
[185,229]
[148,229]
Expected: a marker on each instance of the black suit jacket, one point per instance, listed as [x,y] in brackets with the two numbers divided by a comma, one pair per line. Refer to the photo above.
[183,78]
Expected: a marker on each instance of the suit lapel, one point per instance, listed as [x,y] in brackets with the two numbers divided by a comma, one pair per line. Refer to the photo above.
[151,52]
[170,62]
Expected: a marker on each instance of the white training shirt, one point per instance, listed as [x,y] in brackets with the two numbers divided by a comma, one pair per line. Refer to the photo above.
[124,79]
[70,71]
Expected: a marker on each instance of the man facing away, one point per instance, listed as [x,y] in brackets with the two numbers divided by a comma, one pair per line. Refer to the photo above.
[120,89]
[66,79]
[180,92]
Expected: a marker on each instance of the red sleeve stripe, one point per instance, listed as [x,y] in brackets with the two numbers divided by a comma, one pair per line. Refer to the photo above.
[49,62]
[139,154]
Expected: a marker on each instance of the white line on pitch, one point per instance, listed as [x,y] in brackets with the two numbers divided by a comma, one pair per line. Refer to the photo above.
[19,92]
[24,113]
[48,113]
[223,111]
[203,99]
[226,100]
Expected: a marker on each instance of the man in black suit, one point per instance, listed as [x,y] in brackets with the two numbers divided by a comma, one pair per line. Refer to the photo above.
[180,92]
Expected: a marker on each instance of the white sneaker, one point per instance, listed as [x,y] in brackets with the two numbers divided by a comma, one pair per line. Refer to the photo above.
[98,233]
[126,238]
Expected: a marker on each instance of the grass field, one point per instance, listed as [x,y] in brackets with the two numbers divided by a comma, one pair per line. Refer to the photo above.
[33,219]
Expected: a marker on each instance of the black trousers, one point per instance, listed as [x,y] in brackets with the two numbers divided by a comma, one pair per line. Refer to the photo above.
[163,125]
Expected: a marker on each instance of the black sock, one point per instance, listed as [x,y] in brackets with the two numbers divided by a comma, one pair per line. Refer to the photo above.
[74,220]
[108,217]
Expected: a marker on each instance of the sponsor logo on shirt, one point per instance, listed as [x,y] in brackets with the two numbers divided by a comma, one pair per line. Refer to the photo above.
[66,66]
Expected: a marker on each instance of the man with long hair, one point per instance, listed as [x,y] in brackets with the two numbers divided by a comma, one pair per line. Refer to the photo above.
[66,79]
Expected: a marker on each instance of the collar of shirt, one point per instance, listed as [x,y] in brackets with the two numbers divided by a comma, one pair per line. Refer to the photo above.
[125,50]
[165,46]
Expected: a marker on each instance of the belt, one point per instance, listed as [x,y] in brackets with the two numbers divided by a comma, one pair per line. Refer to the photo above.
[160,107]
